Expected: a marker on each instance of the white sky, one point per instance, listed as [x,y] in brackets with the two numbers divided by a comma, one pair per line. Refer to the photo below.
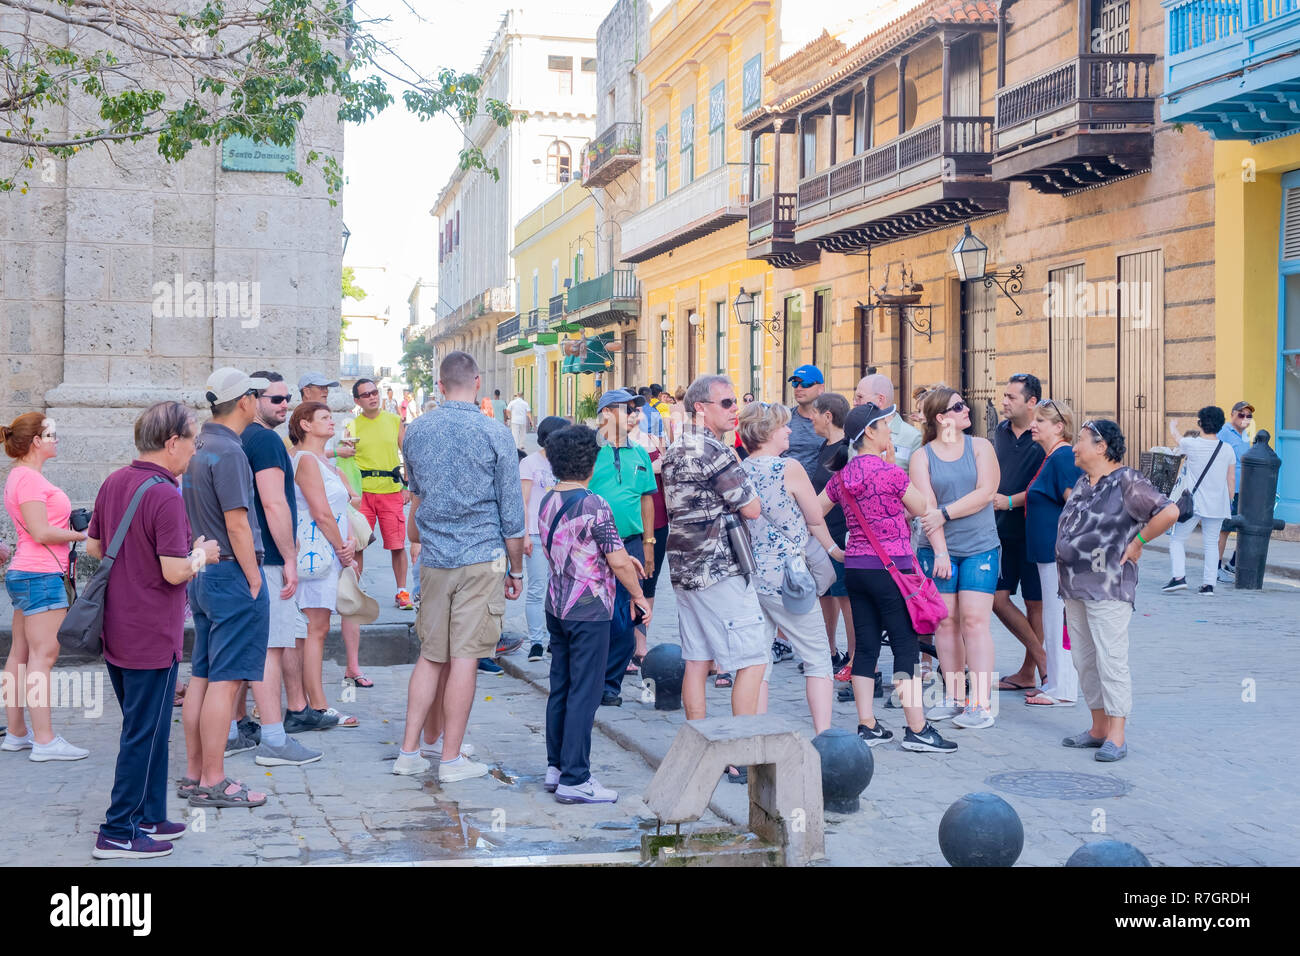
[395,164]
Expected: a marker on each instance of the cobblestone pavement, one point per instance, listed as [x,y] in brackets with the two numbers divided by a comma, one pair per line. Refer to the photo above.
[1209,779]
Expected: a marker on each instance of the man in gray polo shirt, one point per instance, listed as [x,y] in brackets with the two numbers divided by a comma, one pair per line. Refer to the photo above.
[467,513]
[229,600]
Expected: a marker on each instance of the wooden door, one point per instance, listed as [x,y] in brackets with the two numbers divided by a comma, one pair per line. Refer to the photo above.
[1068,346]
[692,348]
[793,331]
[979,384]
[1140,302]
[822,332]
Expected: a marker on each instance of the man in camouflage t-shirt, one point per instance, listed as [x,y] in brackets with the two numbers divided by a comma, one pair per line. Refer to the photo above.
[718,613]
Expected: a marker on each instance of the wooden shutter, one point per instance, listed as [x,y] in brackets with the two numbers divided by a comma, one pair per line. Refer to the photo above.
[1141,387]
[1291,224]
[1068,339]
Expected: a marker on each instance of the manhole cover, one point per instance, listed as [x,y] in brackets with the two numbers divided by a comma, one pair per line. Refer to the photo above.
[1059,785]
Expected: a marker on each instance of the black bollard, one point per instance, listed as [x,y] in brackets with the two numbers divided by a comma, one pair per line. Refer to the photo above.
[663,671]
[1107,853]
[847,766]
[981,829]
[1254,522]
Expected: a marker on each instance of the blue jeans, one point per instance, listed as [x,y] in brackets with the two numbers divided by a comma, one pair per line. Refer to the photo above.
[538,573]
[140,783]
[622,633]
[974,572]
[578,652]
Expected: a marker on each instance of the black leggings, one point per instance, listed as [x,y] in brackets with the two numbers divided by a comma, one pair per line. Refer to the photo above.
[661,548]
[878,606]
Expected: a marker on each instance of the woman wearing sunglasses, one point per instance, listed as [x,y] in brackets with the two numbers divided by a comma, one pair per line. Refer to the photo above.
[958,475]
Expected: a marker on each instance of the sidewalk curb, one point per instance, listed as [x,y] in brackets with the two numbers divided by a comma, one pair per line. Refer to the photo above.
[1277,570]
[613,733]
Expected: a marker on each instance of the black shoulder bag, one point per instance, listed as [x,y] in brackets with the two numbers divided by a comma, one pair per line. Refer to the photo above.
[83,627]
[1186,501]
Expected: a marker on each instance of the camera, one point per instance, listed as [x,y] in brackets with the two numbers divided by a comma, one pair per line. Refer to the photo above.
[80,519]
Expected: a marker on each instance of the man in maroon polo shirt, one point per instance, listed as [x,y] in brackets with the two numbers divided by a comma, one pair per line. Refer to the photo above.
[144,610]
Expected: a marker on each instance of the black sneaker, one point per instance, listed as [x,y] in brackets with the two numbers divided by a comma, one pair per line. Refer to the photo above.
[874,735]
[301,721]
[611,700]
[927,741]
[845,693]
[250,729]
[1207,589]
[1175,584]
[838,660]
[781,652]
[535,653]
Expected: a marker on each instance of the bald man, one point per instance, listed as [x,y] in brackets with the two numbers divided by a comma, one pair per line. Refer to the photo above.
[879,390]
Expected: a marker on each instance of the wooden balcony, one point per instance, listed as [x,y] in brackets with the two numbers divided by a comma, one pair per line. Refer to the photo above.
[771,233]
[1084,122]
[612,153]
[925,179]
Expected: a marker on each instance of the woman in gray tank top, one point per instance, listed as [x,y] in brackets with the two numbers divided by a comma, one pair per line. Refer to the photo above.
[959,476]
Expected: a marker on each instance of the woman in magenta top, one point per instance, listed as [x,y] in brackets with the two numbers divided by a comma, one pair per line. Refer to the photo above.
[872,487]
[40,512]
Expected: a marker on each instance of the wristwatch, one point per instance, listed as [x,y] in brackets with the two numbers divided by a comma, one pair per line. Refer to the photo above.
[518,576]
[944,511]
[649,540]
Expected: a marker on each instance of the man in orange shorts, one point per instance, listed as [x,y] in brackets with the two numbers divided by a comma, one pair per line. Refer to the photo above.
[384,496]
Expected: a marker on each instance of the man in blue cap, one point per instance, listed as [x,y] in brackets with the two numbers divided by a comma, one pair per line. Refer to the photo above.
[805,443]
[624,477]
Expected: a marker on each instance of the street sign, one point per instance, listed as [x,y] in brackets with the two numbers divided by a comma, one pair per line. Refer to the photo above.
[241,154]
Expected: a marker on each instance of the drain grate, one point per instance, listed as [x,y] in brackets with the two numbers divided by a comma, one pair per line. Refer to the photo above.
[1059,785]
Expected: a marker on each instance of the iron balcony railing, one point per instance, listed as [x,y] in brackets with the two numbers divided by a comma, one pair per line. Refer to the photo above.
[616,284]
[528,324]
[612,151]
[1087,80]
[508,330]
[952,134]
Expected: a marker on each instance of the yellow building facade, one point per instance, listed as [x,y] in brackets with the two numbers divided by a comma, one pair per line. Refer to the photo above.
[553,250]
[705,62]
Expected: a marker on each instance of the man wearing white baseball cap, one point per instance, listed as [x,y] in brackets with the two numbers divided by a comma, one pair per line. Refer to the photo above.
[232,612]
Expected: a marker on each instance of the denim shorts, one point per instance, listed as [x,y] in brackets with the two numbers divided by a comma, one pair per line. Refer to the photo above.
[838,589]
[35,591]
[231,628]
[975,572]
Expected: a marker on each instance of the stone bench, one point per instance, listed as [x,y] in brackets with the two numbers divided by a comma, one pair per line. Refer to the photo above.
[785,781]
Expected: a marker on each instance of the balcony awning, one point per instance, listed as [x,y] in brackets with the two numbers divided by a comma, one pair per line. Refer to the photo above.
[593,360]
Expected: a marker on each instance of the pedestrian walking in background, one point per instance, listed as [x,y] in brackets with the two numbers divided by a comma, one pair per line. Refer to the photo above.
[654,446]
[144,623]
[705,489]
[535,480]
[1112,512]
[878,390]
[958,476]
[805,443]
[384,493]
[789,516]
[1234,433]
[586,553]
[1209,472]
[468,512]
[520,418]
[229,601]
[624,478]
[1019,459]
[322,496]
[829,411]
[1050,488]
[498,406]
[275,503]
[41,513]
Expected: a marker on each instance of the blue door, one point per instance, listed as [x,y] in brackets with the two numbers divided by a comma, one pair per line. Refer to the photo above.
[1288,372]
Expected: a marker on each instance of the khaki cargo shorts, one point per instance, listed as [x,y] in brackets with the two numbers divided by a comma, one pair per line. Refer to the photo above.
[461,611]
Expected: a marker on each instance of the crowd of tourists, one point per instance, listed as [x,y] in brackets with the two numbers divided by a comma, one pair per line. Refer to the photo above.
[774,522]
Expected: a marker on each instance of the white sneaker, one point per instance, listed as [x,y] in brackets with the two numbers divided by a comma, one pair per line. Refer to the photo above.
[589,792]
[944,711]
[434,750]
[57,749]
[552,779]
[13,742]
[409,766]
[462,768]
[973,718]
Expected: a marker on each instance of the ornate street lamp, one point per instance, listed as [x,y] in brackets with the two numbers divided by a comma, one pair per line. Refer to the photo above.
[744,309]
[971,257]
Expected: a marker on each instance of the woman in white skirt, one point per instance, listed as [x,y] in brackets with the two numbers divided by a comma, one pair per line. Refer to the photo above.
[790,515]
[1049,489]
[323,494]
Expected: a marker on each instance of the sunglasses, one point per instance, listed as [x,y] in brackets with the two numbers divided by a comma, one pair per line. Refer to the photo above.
[727,403]
[800,383]
[278,399]
[52,436]
[1089,426]
[959,407]
[369,394]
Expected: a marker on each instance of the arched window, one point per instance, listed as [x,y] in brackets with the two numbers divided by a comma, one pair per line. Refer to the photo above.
[559,161]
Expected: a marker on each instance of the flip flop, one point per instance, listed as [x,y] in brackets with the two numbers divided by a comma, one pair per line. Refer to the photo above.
[1006,684]
[1047,700]
[345,720]
[360,680]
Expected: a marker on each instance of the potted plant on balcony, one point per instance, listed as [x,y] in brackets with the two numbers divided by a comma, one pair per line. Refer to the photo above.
[585,411]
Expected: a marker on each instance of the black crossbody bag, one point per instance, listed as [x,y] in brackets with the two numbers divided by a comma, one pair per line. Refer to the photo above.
[1186,501]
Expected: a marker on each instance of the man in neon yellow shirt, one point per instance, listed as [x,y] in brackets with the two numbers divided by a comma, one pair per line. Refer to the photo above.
[384,496]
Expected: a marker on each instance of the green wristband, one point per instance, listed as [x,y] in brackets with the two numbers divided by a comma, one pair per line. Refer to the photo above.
[1142,539]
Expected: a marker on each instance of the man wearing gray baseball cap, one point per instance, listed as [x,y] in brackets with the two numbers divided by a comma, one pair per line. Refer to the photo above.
[232,612]
[315,387]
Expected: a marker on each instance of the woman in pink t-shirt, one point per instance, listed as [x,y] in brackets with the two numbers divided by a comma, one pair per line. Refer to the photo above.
[40,512]
[872,488]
